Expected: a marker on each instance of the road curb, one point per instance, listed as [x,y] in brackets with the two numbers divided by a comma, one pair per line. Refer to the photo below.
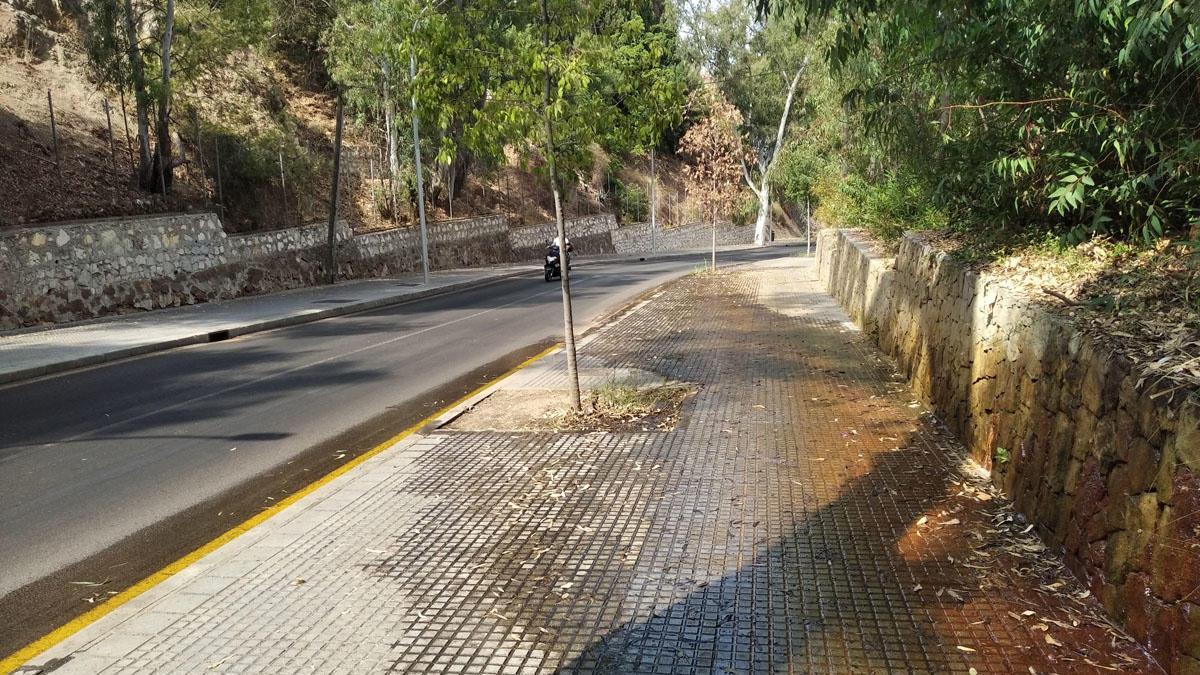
[247,329]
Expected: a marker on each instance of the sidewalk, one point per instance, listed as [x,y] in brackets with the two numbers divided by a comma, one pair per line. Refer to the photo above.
[805,516]
[31,353]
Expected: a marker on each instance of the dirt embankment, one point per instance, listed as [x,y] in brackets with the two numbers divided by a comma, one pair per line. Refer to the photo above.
[257,144]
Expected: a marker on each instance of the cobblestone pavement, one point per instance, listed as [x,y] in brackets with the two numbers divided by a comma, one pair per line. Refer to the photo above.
[806,516]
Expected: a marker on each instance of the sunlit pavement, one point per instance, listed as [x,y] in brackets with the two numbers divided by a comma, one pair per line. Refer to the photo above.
[806,516]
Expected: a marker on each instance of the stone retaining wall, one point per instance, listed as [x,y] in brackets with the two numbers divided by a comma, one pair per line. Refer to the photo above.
[639,238]
[73,271]
[589,235]
[1106,465]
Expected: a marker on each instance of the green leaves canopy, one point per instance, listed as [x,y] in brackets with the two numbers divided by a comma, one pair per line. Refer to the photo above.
[1078,115]
[481,70]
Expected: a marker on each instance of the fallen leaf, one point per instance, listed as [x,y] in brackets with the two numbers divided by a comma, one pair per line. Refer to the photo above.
[965,649]
[1051,641]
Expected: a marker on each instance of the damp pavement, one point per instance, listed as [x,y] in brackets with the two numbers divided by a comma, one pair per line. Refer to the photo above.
[806,515]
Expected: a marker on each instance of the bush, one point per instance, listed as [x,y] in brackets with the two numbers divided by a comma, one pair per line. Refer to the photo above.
[249,171]
[886,207]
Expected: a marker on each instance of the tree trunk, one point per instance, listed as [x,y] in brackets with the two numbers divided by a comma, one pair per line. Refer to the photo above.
[163,168]
[714,242]
[140,102]
[568,319]
[762,225]
[763,192]
[331,241]
[416,134]
[389,121]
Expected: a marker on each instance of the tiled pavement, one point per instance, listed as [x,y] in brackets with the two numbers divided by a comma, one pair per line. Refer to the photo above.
[805,517]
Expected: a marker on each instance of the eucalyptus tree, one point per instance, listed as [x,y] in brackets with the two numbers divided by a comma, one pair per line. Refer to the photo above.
[758,61]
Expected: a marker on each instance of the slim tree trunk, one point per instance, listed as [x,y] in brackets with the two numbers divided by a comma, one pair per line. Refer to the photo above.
[653,203]
[763,191]
[140,101]
[163,146]
[416,124]
[331,253]
[389,121]
[762,225]
[714,242]
[568,319]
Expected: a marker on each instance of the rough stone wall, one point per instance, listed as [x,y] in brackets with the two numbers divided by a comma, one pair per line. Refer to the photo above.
[452,244]
[74,271]
[640,239]
[1106,464]
[590,235]
[82,270]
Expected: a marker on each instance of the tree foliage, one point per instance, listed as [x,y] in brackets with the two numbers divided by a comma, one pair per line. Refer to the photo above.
[713,146]
[1077,115]
[481,66]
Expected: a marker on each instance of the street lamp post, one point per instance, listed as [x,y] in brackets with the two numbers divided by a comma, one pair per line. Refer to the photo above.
[412,75]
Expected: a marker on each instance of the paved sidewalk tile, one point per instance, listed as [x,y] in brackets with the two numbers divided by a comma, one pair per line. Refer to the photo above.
[806,516]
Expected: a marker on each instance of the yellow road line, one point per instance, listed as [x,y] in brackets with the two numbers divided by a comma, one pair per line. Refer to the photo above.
[18,658]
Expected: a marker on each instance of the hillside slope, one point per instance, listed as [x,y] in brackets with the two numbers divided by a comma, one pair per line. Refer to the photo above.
[257,145]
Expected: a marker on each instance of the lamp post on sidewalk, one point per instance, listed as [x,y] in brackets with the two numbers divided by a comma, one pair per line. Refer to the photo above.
[412,81]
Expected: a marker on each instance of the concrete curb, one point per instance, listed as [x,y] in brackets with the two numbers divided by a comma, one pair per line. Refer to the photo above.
[246,329]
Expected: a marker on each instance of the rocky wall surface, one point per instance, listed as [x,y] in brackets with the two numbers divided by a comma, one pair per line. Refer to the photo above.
[589,235]
[640,238]
[73,271]
[1104,462]
[82,270]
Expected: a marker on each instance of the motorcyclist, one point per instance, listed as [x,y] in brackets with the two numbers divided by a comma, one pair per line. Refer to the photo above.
[556,245]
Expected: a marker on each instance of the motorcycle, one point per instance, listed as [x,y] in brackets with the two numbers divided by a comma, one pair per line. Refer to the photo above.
[553,264]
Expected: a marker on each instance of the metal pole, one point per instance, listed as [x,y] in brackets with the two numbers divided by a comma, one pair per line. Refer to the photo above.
[331,254]
[807,227]
[412,75]
[54,134]
[653,204]
[283,183]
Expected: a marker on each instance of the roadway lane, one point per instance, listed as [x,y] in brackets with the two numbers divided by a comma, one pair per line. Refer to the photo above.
[90,457]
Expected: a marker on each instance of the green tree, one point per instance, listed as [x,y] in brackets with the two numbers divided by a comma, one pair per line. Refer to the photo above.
[759,63]
[1016,114]
[150,49]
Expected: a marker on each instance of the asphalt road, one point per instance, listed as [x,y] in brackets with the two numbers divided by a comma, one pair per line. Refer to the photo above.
[91,457]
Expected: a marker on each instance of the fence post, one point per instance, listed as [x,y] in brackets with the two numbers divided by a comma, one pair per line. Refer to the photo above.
[283,184]
[125,121]
[54,134]
[220,192]
[807,227]
[112,152]
[371,168]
